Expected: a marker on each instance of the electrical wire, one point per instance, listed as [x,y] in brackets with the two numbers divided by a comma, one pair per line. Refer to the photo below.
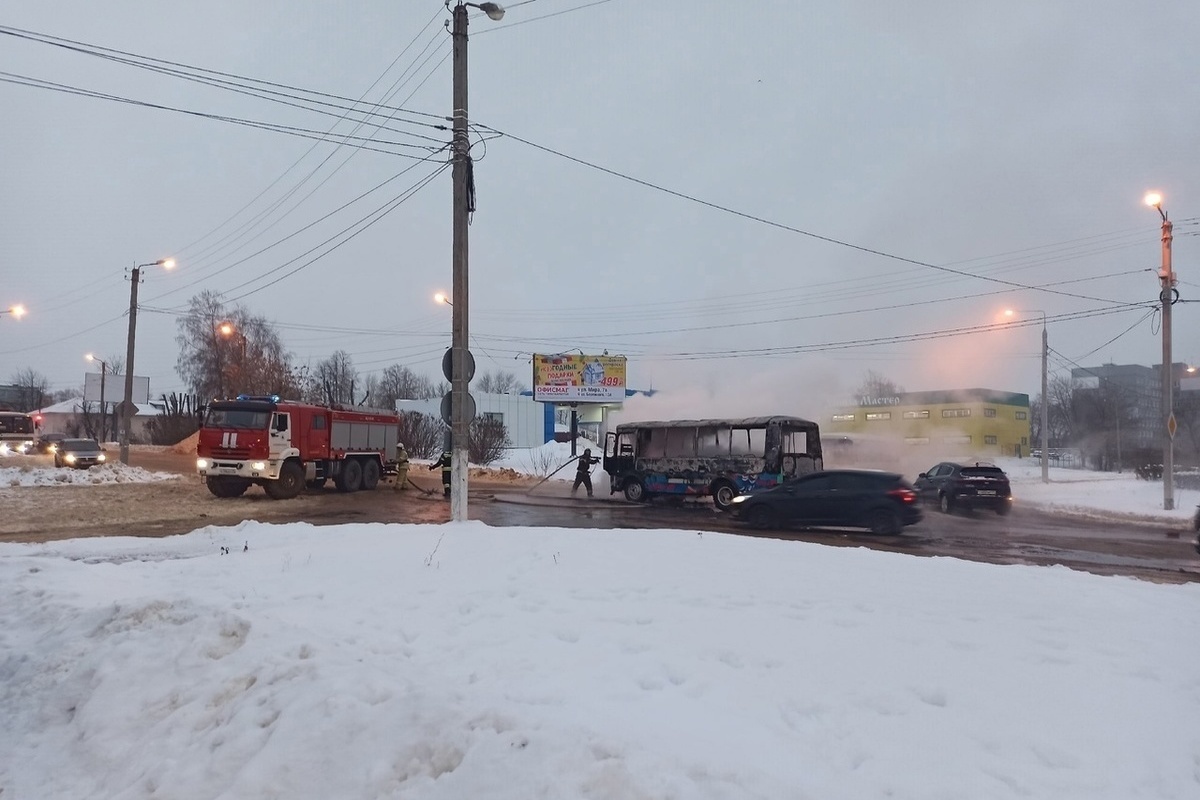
[780,225]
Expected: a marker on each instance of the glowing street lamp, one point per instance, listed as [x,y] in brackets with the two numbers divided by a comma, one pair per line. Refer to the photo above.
[1045,420]
[17,311]
[441,297]
[228,330]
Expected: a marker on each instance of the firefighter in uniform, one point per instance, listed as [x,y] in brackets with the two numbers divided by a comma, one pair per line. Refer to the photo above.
[401,468]
[444,462]
[583,472]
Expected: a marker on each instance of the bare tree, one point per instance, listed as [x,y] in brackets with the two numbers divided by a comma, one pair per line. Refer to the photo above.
[368,392]
[229,351]
[179,420]
[401,383]
[66,394]
[1187,415]
[1060,412]
[487,440]
[336,377]
[422,434]
[875,384]
[499,382]
[32,389]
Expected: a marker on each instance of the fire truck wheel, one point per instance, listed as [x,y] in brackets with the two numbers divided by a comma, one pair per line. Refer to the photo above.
[289,484]
[350,479]
[370,474]
[226,486]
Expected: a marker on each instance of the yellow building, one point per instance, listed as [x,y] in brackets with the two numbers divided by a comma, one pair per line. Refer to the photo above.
[968,421]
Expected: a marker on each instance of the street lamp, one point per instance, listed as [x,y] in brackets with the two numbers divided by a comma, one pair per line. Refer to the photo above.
[1045,421]
[17,311]
[441,297]
[1166,277]
[103,411]
[463,206]
[227,329]
[126,414]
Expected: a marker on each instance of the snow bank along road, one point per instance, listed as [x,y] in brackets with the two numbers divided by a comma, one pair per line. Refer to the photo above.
[1159,551]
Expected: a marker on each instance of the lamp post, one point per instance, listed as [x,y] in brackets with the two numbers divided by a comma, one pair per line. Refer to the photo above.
[103,411]
[17,311]
[127,409]
[463,205]
[1044,423]
[1166,277]
[227,330]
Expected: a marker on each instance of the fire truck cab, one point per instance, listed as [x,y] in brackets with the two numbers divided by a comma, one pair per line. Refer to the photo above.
[284,446]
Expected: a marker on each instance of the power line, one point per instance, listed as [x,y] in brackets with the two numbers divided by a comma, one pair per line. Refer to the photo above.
[782,226]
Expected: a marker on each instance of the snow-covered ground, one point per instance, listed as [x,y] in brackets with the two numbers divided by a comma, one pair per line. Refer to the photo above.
[461,661]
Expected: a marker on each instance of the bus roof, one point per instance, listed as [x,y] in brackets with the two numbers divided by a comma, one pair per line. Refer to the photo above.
[736,422]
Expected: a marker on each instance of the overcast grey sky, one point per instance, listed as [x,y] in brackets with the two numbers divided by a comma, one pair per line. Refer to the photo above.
[1008,141]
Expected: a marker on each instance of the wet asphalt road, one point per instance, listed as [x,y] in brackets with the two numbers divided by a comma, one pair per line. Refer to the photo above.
[1154,550]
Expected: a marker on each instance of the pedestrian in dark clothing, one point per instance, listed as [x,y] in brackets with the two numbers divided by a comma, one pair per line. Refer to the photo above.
[444,462]
[583,472]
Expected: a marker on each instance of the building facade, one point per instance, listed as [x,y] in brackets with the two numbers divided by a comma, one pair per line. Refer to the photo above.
[956,422]
[1118,407]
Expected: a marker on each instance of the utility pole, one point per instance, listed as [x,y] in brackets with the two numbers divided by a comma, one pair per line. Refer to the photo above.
[461,363]
[1166,277]
[1045,404]
[461,148]
[128,409]
[125,418]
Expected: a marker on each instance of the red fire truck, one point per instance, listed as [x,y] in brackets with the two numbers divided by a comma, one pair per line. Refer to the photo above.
[283,446]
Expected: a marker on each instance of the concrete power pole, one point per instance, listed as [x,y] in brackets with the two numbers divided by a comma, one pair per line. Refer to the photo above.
[1045,404]
[125,418]
[459,425]
[1167,279]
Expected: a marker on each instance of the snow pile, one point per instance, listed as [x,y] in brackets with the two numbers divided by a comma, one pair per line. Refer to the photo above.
[1096,494]
[114,472]
[461,661]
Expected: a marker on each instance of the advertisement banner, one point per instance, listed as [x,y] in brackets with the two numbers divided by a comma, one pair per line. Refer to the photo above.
[114,389]
[578,379]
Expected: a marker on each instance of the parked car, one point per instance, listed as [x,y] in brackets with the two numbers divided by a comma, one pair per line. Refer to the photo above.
[1196,527]
[968,486]
[48,442]
[882,502]
[79,453]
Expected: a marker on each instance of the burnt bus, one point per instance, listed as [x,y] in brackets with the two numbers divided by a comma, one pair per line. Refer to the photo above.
[721,458]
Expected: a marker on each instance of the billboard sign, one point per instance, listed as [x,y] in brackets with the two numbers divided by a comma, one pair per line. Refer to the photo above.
[570,378]
[114,389]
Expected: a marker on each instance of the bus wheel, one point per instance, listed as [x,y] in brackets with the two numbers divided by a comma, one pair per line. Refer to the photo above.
[723,494]
[635,492]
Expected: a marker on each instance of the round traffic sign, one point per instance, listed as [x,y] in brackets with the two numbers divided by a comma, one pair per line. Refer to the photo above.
[447,408]
[448,365]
